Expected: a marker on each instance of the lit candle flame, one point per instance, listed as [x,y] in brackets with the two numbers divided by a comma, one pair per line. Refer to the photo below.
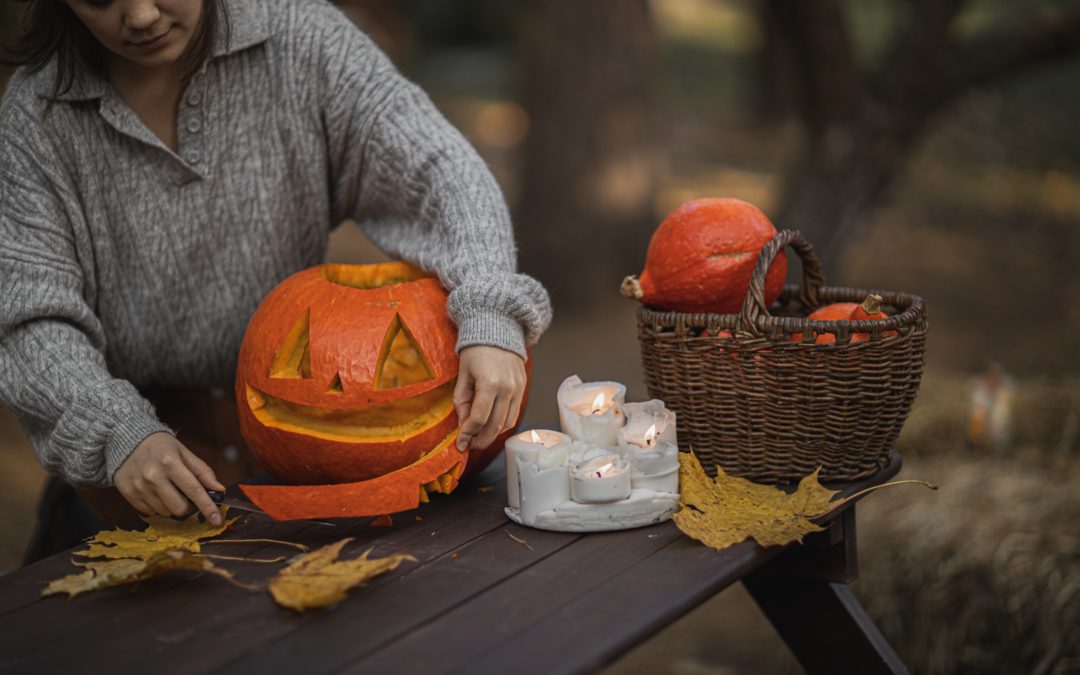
[650,435]
[534,437]
[604,469]
[598,403]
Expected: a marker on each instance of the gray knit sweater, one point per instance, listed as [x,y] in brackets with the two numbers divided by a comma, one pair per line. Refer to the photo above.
[123,263]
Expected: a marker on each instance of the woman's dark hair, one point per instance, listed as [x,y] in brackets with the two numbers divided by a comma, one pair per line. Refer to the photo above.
[51,30]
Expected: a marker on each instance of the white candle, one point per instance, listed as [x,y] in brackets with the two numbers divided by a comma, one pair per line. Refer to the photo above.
[656,469]
[649,439]
[542,489]
[591,411]
[603,478]
[526,446]
[646,423]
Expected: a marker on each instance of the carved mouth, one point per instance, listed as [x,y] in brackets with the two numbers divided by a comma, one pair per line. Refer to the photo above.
[398,420]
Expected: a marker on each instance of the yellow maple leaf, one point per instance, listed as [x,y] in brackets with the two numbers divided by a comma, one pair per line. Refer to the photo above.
[102,574]
[163,534]
[318,579]
[726,510]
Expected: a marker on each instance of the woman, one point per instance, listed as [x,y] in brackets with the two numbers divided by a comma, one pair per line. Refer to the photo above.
[164,164]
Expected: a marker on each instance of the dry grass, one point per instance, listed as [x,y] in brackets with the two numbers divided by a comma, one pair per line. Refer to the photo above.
[984,575]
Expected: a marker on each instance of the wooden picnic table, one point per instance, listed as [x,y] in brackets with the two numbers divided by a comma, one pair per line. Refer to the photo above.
[477,601]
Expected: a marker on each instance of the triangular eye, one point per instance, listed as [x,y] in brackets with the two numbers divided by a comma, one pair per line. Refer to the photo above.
[335,385]
[400,362]
[293,360]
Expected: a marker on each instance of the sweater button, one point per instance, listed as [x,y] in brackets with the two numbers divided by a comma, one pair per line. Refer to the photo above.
[194,125]
[194,98]
[192,156]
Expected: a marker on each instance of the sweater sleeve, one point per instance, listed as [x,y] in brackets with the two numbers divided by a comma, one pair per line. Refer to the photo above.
[421,192]
[82,422]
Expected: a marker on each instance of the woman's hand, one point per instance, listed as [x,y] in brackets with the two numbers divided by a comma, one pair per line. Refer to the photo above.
[159,472]
[490,386]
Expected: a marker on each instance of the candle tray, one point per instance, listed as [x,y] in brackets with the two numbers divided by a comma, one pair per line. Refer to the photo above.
[767,406]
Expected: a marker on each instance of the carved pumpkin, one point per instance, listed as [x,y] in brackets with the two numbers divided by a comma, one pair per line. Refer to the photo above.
[345,384]
[701,257]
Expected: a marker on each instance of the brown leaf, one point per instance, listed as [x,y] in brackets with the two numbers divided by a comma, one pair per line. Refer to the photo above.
[318,579]
[163,534]
[102,574]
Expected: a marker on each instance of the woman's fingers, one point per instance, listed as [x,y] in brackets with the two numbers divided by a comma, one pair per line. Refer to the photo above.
[463,393]
[135,500]
[202,471]
[148,494]
[183,478]
[174,501]
[513,411]
[496,418]
[479,413]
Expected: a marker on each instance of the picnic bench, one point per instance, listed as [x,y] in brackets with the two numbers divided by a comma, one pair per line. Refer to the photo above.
[477,601]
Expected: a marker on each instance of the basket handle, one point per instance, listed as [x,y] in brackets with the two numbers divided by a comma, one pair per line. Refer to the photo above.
[754,309]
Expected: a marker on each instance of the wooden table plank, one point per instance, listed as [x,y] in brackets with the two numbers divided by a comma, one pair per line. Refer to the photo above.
[592,625]
[97,621]
[455,639]
[230,622]
[476,601]
[416,597]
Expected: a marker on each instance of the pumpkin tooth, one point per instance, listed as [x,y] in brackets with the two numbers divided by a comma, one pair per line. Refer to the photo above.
[457,470]
[432,486]
[423,495]
[446,482]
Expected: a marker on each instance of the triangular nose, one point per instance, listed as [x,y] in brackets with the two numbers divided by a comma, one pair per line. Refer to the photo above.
[400,362]
[293,358]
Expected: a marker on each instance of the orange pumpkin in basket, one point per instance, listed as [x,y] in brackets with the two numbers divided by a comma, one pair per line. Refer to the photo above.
[346,378]
[702,255]
[868,310]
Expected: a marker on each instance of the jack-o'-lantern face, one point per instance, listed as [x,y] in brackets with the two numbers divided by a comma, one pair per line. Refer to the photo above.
[346,374]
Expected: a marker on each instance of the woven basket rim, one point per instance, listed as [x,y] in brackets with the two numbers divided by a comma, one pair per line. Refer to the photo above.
[913,313]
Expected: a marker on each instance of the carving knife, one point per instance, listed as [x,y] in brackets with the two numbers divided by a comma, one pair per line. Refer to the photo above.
[221,499]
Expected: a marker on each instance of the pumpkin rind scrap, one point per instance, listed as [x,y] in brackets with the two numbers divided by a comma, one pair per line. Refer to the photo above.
[345,378]
[702,255]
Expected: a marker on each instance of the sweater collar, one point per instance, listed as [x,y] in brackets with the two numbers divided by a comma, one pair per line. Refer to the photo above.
[247,26]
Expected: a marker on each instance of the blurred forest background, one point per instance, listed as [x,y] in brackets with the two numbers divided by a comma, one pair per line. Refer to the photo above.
[929,146]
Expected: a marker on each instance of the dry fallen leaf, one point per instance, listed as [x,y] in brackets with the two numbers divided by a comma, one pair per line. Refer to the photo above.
[102,574]
[163,534]
[318,579]
[728,510]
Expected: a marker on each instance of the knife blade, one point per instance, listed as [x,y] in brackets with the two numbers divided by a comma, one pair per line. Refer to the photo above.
[221,499]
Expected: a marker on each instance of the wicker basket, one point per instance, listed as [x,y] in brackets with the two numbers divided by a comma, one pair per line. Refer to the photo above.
[764,407]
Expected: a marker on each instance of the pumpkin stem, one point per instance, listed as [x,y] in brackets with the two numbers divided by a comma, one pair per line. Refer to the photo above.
[872,304]
[631,288]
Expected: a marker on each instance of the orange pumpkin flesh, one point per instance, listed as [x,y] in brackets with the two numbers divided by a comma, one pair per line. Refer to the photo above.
[401,490]
[702,255]
[345,384]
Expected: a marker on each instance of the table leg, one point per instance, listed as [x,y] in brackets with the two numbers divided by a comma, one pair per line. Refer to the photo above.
[804,593]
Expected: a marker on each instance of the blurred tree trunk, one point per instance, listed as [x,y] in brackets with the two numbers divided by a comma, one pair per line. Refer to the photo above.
[861,127]
[590,166]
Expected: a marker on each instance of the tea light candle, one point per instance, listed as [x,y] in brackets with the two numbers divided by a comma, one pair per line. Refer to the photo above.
[526,446]
[602,478]
[592,411]
[649,438]
[544,484]
[641,418]
[656,469]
